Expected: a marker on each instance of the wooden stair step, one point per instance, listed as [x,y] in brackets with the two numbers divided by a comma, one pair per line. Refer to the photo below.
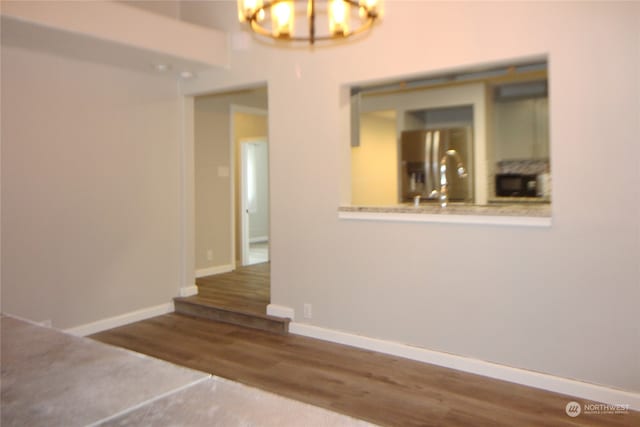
[199,307]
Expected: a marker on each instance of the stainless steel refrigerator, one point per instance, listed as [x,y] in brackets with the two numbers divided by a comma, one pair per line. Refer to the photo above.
[421,157]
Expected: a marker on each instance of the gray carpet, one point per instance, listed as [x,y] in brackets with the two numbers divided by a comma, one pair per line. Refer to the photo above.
[53,379]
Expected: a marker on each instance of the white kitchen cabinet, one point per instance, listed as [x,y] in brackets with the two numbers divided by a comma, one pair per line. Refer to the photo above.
[521,129]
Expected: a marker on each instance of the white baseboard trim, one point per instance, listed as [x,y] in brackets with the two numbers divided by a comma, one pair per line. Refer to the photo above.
[259,239]
[218,269]
[123,319]
[280,311]
[189,291]
[43,323]
[493,370]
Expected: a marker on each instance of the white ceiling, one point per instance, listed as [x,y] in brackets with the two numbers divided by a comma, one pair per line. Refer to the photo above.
[38,33]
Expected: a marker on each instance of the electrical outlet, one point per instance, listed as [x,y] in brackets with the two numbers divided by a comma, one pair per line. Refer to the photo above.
[307,311]
[210,255]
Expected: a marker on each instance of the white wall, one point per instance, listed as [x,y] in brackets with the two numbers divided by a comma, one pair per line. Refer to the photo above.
[90,189]
[561,300]
[169,8]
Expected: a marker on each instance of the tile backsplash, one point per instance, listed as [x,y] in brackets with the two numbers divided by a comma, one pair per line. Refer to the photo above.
[523,166]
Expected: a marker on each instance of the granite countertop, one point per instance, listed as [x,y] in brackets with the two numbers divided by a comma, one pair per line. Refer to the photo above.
[519,200]
[542,210]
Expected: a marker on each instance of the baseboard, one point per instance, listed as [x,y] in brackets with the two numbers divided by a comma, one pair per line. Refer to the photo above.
[43,323]
[218,269]
[123,319]
[493,370]
[280,311]
[259,239]
[189,291]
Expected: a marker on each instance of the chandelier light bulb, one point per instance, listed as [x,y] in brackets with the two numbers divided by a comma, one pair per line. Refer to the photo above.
[282,16]
[247,9]
[339,17]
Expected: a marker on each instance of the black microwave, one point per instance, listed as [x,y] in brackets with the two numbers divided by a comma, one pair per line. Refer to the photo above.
[516,185]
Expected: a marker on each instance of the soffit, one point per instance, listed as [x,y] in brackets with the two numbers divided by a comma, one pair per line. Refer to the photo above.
[113,34]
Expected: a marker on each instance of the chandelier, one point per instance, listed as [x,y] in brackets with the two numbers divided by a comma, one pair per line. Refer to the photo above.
[281,20]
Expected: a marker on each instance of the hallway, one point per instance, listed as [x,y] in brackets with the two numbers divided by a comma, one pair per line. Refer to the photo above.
[258,252]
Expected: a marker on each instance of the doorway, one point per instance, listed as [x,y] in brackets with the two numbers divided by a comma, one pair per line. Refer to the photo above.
[222,123]
[254,201]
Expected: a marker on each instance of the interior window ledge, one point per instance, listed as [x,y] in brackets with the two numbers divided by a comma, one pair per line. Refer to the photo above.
[513,215]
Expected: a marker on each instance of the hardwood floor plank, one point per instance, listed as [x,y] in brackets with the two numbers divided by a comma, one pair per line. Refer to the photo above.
[245,289]
[382,389]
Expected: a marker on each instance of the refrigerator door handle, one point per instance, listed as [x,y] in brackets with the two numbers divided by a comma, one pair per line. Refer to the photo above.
[427,158]
[435,151]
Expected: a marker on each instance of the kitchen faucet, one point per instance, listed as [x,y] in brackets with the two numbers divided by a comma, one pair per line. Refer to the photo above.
[443,194]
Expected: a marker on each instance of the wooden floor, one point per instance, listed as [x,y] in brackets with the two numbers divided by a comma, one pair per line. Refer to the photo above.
[245,289]
[382,389]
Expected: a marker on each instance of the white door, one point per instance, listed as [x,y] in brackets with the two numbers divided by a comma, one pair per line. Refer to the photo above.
[254,204]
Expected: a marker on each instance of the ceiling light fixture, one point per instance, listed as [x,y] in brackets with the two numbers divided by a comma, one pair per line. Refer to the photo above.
[341,19]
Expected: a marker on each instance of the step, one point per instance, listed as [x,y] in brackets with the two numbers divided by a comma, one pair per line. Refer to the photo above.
[198,307]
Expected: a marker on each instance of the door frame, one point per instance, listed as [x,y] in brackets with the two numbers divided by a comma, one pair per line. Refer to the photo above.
[245,238]
[236,108]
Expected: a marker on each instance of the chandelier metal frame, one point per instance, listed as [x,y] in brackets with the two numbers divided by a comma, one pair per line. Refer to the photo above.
[368,16]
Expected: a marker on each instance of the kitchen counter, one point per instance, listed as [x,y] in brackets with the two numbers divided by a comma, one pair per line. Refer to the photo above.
[520,200]
[525,214]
